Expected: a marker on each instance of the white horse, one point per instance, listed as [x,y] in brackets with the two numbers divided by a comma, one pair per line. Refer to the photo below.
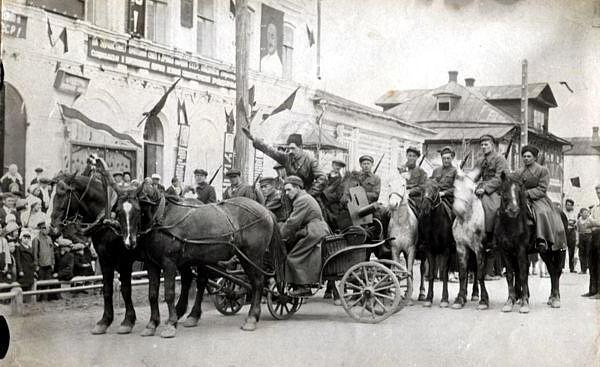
[403,228]
[468,231]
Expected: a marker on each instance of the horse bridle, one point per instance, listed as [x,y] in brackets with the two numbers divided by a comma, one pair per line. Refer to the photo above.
[76,218]
[435,201]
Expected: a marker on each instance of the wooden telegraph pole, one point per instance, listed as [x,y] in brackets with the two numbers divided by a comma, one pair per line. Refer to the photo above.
[524,105]
[240,159]
[2,95]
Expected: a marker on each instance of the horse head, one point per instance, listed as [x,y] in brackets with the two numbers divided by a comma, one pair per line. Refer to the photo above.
[397,190]
[431,197]
[134,210]
[511,195]
[464,192]
[75,197]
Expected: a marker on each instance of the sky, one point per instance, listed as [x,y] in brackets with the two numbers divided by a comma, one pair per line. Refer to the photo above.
[372,46]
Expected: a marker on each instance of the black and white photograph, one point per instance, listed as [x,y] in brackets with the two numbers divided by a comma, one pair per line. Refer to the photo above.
[300,183]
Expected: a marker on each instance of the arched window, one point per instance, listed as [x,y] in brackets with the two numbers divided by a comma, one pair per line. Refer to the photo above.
[153,146]
[15,129]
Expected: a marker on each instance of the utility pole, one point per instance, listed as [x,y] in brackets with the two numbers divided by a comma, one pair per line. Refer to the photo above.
[319,39]
[524,104]
[2,95]
[240,159]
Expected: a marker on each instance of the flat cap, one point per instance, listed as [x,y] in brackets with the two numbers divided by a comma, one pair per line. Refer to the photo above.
[233,172]
[489,137]
[267,180]
[338,162]
[39,169]
[294,180]
[447,149]
[414,150]
[199,171]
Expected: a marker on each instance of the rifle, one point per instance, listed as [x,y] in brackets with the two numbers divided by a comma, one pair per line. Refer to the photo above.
[462,164]
[214,175]
[378,163]
[510,143]
[424,155]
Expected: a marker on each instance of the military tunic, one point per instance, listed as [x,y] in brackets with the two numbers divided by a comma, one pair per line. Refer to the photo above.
[305,228]
[548,224]
[372,185]
[301,165]
[274,203]
[243,190]
[490,168]
[334,211]
[416,179]
[206,193]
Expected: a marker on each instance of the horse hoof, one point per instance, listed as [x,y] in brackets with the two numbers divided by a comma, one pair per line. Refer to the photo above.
[508,307]
[421,297]
[148,331]
[482,306]
[337,302]
[125,329]
[444,304]
[555,303]
[190,322]
[550,299]
[169,331]
[250,324]
[524,309]
[99,329]
[457,306]
[474,298]
[427,304]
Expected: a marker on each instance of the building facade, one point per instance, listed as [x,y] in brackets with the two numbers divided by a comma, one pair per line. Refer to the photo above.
[460,114]
[582,169]
[81,74]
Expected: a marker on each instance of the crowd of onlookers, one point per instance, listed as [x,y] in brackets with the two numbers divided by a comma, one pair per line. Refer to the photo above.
[27,252]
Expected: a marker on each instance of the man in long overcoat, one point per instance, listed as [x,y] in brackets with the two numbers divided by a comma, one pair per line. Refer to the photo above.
[304,230]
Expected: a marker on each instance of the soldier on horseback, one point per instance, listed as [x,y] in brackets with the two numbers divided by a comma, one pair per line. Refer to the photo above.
[490,166]
[416,177]
[444,176]
[369,180]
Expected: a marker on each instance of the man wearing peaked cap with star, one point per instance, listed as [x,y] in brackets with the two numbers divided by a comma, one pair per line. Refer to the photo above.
[296,162]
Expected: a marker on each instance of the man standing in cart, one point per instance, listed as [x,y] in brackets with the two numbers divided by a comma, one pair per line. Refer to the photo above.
[304,230]
[296,162]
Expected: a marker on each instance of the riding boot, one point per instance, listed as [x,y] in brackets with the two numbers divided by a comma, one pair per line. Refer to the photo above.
[488,243]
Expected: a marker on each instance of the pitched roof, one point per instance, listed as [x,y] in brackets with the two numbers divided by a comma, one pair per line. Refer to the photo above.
[470,107]
[395,97]
[582,146]
[456,133]
[540,92]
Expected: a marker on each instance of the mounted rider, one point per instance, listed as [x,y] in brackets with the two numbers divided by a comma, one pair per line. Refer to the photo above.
[296,162]
[273,199]
[444,176]
[305,229]
[335,210]
[490,166]
[369,180]
[416,177]
[549,229]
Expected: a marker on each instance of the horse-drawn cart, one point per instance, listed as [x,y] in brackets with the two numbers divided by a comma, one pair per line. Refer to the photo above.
[370,290]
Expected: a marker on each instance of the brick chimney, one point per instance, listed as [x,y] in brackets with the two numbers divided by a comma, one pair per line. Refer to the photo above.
[595,138]
[470,82]
[453,76]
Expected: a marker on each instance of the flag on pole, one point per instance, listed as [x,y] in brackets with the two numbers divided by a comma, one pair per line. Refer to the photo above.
[311,36]
[245,123]
[232,7]
[287,104]
[575,182]
[160,104]
[182,110]
[49,30]
[229,121]
[251,100]
[63,38]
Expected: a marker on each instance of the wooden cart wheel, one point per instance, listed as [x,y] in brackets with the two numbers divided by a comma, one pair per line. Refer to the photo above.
[370,292]
[401,275]
[229,297]
[281,306]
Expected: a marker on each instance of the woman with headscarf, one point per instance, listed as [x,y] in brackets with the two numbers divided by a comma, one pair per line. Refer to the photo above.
[550,232]
[12,181]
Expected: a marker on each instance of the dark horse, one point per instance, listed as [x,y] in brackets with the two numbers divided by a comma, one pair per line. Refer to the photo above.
[515,238]
[435,225]
[177,235]
[82,199]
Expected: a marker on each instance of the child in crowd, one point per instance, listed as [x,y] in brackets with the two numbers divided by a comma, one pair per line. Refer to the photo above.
[11,235]
[24,260]
[43,256]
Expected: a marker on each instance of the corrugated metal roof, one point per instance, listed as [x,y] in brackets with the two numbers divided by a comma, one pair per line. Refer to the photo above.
[582,146]
[276,129]
[470,133]
[471,107]
[537,91]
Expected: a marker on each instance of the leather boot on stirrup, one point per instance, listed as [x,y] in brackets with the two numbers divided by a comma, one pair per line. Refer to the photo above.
[541,245]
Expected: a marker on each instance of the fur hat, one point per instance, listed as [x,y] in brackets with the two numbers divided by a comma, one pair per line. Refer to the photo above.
[294,180]
[489,137]
[447,149]
[530,148]
[295,138]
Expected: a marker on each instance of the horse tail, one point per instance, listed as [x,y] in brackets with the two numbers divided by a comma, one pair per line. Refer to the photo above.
[278,253]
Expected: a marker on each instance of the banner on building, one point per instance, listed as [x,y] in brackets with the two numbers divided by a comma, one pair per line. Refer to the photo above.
[187,13]
[71,9]
[14,25]
[136,24]
[271,41]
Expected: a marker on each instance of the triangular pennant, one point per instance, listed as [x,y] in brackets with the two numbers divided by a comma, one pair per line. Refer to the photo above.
[49,30]
[230,122]
[251,100]
[63,38]
[160,104]
[311,36]
[232,7]
[575,182]
[182,110]
[242,107]
[81,67]
[287,104]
